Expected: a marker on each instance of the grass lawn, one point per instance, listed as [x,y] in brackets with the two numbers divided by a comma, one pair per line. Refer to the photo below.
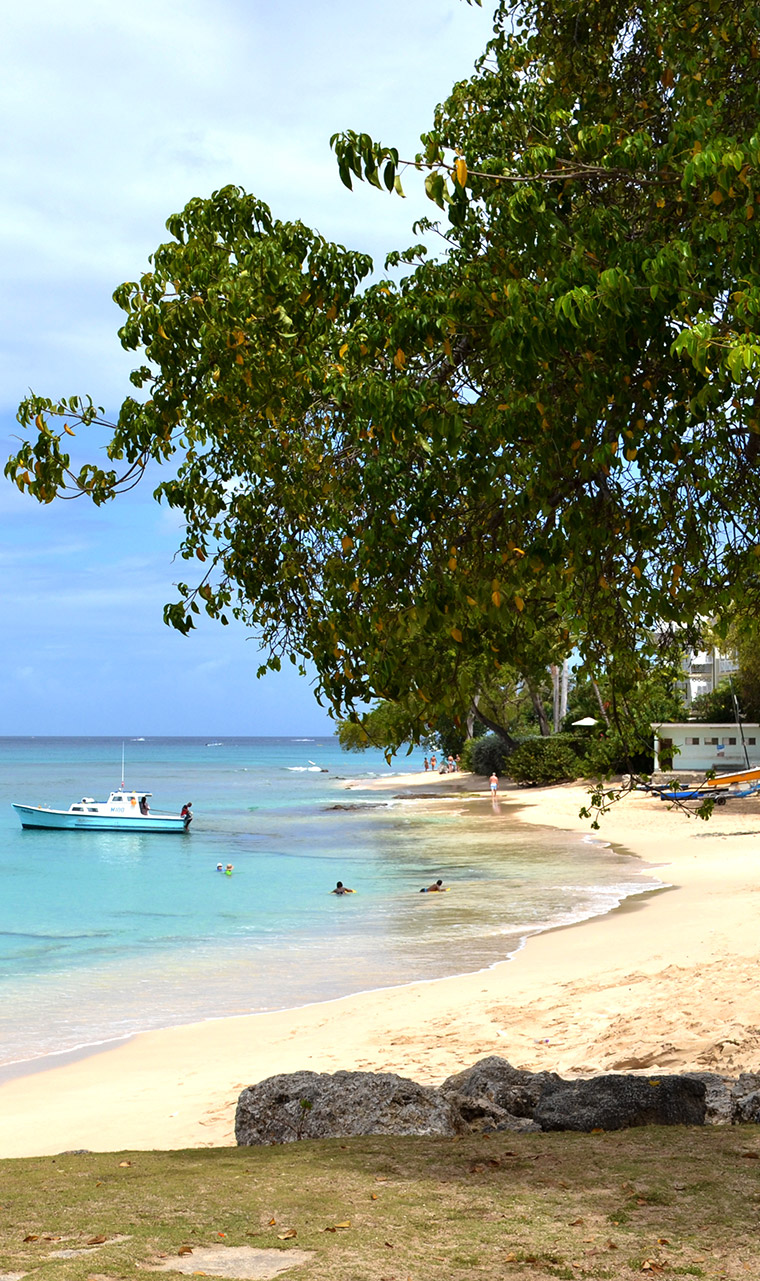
[655,1201]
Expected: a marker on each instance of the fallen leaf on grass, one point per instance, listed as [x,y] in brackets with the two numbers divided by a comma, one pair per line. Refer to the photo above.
[272,1222]
[185,1249]
[31,1237]
[287,1236]
[751,1156]
[373,1196]
[651,1265]
[510,1258]
[577,1223]
[123,1164]
[91,1241]
[663,1241]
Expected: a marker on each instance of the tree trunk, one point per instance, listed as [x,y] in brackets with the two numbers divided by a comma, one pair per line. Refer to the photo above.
[602,708]
[555,697]
[563,692]
[540,710]
[494,727]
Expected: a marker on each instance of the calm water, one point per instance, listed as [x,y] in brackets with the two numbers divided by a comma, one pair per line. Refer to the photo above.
[105,934]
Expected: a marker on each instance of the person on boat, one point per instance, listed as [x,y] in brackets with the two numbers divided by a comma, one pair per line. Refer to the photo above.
[144,806]
[433,889]
[186,811]
[340,888]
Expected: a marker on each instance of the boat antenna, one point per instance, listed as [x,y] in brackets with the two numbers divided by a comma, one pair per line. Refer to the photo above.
[122,766]
[739,725]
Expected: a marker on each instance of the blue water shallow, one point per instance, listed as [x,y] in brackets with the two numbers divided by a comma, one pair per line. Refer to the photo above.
[103,934]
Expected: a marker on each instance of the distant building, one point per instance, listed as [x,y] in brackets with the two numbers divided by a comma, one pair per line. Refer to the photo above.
[704,669]
[690,747]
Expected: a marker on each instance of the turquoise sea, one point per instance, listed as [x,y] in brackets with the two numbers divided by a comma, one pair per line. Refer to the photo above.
[106,934]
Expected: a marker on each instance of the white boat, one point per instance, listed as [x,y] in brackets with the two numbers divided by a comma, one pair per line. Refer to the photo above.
[124,810]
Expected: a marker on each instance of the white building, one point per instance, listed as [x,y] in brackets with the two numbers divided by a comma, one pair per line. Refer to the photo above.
[704,670]
[687,746]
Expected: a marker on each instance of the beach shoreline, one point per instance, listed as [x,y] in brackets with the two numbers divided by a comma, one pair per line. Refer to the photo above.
[665,984]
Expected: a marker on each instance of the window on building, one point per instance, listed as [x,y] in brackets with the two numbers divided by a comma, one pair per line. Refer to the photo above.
[712,742]
[751,742]
[692,742]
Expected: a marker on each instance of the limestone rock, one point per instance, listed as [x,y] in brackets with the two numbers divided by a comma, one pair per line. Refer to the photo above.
[616,1102]
[513,1089]
[718,1100]
[745,1098]
[480,1114]
[314,1105]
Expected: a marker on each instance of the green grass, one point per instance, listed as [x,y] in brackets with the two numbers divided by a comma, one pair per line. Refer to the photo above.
[684,1202]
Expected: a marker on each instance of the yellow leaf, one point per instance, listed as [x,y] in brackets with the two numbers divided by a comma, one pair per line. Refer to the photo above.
[496,598]
[346,1223]
[452,562]
[343,350]
[456,634]
[347,542]
[631,453]
[460,170]
[749,213]
[520,604]
[636,572]
[716,197]
[575,445]
[161,331]
[287,1236]
[39,422]
[399,359]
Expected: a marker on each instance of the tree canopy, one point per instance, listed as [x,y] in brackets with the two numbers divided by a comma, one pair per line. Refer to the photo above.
[544,437]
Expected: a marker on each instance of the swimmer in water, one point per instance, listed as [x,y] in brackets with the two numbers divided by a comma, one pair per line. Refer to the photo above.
[219,867]
[340,888]
[432,889]
[229,869]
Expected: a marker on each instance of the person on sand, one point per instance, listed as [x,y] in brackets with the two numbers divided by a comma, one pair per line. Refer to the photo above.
[432,889]
[494,781]
[433,761]
[426,763]
[340,888]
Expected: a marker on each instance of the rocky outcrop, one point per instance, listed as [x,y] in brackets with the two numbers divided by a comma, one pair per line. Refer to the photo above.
[513,1089]
[617,1102]
[745,1098]
[490,1095]
[314,1105]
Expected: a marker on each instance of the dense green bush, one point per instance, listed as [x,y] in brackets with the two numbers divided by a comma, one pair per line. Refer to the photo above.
[488,754]
[544,761]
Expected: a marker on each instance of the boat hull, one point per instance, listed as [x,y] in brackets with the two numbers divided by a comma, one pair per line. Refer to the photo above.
[34,816]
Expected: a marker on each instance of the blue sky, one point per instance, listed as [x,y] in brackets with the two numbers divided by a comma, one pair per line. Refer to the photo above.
[114,117]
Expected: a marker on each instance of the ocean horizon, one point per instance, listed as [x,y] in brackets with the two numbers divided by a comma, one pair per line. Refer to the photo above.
[107,934]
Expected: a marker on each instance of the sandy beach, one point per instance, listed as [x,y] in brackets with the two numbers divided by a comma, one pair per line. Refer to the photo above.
[667,983]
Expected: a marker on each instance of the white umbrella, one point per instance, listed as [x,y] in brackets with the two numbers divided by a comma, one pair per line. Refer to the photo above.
[587,720]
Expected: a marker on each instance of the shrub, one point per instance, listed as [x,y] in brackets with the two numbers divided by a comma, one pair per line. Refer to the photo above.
[544,761]
[488,754]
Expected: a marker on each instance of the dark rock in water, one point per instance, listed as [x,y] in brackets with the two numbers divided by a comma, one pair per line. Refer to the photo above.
[510,1088]
[745,1098]
[616,1102]
[318,1105]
